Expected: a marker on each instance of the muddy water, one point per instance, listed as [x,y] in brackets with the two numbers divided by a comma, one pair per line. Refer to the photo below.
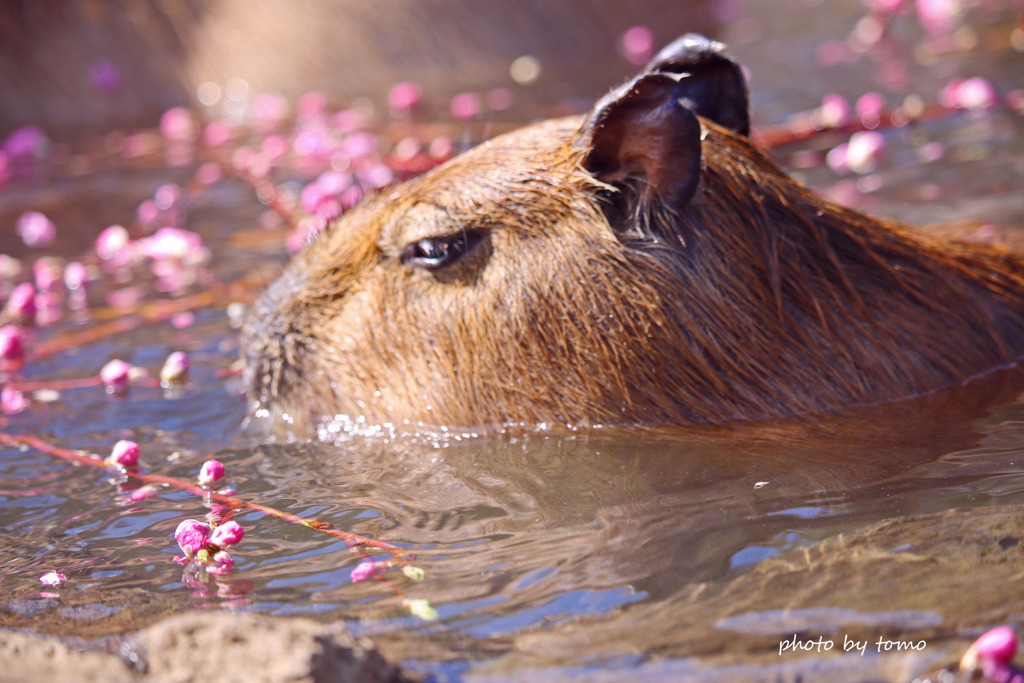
[597,555]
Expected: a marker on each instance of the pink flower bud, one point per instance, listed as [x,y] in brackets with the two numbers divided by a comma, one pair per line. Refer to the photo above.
[270,111]
[75,276]
[864,151]
[175,368]
[972,93]
[48,272]
[403,97]
[870,106]
[12,343]
[465,106]
[125,454]
[114,376]
[835,111]
[192,536]
[637,44]
[174,243]
[53,579]
[228,533]
[21,305]
[12,401]
[26,144]
[35,229]
[218,133]
[177,124]
[998,645]
[364,570]
[111,242]
[211,472]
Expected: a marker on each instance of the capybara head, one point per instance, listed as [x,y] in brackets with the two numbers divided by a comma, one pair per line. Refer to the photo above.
[645,264]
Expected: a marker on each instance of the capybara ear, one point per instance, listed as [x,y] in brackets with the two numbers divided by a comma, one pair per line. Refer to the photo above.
[645,141]
[713,86]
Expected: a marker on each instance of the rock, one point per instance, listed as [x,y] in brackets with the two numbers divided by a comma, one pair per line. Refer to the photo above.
[28,658]
[204,646]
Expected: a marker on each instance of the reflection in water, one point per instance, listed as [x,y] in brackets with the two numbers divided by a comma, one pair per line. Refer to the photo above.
[555,548]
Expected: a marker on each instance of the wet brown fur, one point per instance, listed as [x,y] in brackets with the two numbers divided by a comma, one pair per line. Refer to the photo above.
[757,299]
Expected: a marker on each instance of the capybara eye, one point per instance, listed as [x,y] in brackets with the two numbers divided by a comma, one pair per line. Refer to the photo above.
[432,253]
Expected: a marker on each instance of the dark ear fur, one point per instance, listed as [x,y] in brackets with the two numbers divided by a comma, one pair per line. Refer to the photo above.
[644,136]
[713,85]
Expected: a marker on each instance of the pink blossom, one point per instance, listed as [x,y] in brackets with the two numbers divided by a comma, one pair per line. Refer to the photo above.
[125,454]
[47,308]
[441,147]
[47,273]
[328,210]
[210,473]
[274,148]
[314,143]
[148,213]
[938,16]
[403,97]
[167,196]
[111,242]
[209,173]
[834,111]
[359,145]
[972,93]
[175,368]
[994,650]
[869,107]
[637,44]
[348,120]
[114,376]
[28,143]
[21,305]
[12,343]
[864,151]
[270,111]
[35,229]
[12,401]
[178,124]
[228,533]
[364,570]
[53,578]
[174,243]
[218,133]
[142,493]
[998,644]
[75,276]
[465,106]
[311,104]
[192,536]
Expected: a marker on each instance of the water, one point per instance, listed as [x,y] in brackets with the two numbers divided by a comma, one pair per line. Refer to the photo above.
[598,555]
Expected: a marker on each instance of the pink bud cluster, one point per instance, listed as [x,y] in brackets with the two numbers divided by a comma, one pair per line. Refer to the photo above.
[207,545]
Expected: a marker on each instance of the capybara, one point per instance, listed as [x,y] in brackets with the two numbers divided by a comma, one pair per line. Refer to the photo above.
[643,264]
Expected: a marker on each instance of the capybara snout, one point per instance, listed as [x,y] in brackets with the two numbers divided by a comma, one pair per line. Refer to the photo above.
[643,264]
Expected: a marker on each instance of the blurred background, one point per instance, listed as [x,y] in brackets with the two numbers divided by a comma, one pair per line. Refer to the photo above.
[90,66]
